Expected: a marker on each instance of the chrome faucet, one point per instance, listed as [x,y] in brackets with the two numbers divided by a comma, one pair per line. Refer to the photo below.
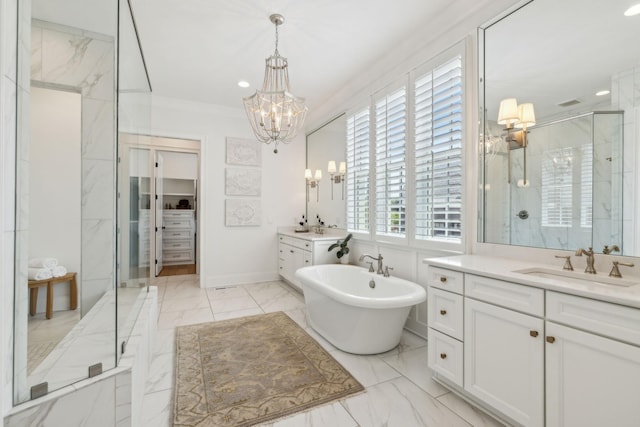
[590,259]
[379,259]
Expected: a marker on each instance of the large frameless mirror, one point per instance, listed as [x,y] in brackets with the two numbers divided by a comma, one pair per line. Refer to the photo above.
[326,168]
[558,143]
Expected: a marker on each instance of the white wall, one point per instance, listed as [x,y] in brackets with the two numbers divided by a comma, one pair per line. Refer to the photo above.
[55,178]
[235,254]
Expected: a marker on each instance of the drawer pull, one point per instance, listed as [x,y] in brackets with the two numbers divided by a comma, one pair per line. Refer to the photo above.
[551,340]
[443,355]
[291,251]
[443,279]
[533,333]
[306,261]
[443,312]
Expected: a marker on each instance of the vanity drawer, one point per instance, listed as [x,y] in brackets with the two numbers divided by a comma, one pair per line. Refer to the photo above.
[178,256]
[176,234]
[445,312]
[177,213]
[292,241]
[604,318]
[170,223]
[171,245]
[513,296]
[445,356]
[448,280]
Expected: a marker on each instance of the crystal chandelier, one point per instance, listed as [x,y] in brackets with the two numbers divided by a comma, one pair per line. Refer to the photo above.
[275,114]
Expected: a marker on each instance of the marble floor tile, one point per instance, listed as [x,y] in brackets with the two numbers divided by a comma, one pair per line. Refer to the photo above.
[284,302]
[171,319]
[468,412]
[329,415]
[226,292]
[413,365]
[300,317]
[157,409]
[368,370]
[232,304]
[400,403]
[181,304]
[399,389]
[172,292]
[164,341]
[239,313]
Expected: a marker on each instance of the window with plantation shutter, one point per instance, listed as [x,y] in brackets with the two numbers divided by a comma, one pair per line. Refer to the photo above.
[357,177]
[390,172]
[557,187]
[438,152]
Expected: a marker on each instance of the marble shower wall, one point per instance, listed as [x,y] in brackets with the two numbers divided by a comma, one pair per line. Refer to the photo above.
[60,56]
[75,58]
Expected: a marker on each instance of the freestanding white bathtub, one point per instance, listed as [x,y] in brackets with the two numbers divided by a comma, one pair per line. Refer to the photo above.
[355,310]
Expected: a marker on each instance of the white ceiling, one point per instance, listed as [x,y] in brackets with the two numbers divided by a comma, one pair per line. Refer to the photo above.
[199,49]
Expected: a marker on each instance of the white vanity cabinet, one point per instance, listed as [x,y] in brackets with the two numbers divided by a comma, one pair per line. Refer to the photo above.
[445,320]
[591,379]
[533,356]
[295,253]
[504,360]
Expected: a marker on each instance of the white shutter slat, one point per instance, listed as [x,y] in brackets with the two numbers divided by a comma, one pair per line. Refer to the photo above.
[438,152]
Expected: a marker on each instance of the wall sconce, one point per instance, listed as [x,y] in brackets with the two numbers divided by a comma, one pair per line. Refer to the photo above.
[522,116]
[313,182]
[337,177]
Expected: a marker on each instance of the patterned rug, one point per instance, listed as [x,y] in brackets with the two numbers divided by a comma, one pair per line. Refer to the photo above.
[250,370]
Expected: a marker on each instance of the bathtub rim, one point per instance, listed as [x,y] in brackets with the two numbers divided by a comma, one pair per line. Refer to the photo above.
[417,295]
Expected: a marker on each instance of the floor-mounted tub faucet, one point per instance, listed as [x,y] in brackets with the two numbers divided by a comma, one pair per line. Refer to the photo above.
[379,259]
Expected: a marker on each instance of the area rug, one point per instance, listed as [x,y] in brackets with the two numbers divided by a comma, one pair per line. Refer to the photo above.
[246,371]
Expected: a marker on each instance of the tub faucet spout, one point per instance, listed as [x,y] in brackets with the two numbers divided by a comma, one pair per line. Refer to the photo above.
[379,259]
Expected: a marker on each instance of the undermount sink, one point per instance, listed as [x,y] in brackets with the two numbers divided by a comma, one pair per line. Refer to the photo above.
[576,277]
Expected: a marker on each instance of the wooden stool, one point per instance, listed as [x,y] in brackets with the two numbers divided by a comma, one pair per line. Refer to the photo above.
[34,285]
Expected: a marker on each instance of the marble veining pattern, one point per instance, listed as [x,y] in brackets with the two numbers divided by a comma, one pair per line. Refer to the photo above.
[399,391]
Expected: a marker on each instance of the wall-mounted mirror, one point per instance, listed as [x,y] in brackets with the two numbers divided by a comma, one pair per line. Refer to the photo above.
[326,191]
[559,101]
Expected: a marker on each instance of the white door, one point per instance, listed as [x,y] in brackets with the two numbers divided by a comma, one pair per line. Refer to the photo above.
[504,360]
[591,381]
[159,209]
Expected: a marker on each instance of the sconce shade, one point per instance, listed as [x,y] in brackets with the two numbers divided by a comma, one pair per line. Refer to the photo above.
[508,113]
[307,174]
[527,116]
[332,167]
[343,168]
[318,174]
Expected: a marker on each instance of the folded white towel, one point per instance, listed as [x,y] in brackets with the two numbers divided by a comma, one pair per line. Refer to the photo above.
[43,262]
[58,271]
[39,273]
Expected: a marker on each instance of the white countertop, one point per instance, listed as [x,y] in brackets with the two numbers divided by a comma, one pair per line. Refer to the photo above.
[329,234]
[505,269]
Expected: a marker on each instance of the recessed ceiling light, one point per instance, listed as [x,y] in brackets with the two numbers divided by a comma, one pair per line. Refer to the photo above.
[243,83]
[633,10]
[603,93]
